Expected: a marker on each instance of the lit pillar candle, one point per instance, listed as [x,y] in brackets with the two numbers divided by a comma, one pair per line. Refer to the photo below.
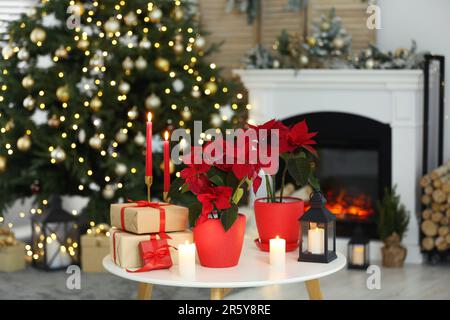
[148,154]
[166,164]
[316,240]
[358,255]
[186,259]
[277,252]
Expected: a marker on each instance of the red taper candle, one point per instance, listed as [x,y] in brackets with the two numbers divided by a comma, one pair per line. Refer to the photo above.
[149,152]
[166,162]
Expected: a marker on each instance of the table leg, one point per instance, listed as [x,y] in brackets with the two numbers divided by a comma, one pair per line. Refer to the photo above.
[217,293]
[313,288]
[145,291]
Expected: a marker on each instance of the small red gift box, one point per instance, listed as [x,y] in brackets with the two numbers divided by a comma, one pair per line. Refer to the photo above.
[155,255]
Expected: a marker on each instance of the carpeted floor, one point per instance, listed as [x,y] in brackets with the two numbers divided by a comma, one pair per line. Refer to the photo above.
[411,282]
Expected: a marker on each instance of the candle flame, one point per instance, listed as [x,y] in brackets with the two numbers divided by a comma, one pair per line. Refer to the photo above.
[166,135]
[277,237]
[149,116]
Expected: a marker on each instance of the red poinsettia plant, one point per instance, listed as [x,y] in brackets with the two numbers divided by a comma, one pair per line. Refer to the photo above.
[296,148]
[217,173]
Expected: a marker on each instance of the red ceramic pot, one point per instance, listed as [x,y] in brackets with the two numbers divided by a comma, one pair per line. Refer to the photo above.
[278,219]
[217,248]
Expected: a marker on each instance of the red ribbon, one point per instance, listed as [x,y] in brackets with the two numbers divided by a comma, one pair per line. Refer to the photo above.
[154,259]
[156,205]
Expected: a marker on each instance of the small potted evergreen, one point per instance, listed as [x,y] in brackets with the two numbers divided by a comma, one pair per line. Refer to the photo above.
[393,219]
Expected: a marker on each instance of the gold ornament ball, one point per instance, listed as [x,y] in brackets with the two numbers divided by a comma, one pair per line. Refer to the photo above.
[304,60]
[7,52]
[152,102]
[24,143]
[95,104]
[3,162]
[171,167]
[54,121]
[338,43]
[58,154]
[38,35]
[186,114]
[140,63]
[124,87]
[133,113]
[145,43]
[27,82]
[120,169]
[95,142]
[112,25]
[62,93]
[139,139]
[28,103]
[200,42]
[61,52]
[108,192]
[178,48]
[178,13]
[127,63]
[155,15]
[23,54]
[325,26]
[210,87]
[83,44]
[312,41]
[130,19]
[196,93]
[121,137]
[370,63]
[162,64]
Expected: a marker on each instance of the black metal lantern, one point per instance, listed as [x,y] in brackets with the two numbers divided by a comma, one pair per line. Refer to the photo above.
[54,238]
[358,250]
[318,232]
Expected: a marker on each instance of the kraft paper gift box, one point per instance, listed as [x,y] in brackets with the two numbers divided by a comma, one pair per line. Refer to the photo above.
[93,249]
[144,220]
[125,246]
[12,257]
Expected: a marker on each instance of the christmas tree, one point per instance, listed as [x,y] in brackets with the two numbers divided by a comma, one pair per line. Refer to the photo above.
[77,81]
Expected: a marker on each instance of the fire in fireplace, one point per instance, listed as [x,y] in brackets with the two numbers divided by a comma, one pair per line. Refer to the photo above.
[354,166]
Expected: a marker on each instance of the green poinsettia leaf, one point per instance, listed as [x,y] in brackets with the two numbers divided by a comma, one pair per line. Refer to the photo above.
[232,181]
[217,180]
[228,217]
[195,210]
[314,182]
[299,168]
[237,196]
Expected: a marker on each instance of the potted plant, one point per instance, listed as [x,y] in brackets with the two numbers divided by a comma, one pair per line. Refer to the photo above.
[213,190]
[393,219]
[278,215]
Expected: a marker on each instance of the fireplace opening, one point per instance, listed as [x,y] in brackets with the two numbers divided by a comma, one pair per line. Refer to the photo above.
[354,166]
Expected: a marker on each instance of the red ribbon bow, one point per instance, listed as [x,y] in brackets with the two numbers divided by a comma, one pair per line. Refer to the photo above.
[158,258]
[144,203]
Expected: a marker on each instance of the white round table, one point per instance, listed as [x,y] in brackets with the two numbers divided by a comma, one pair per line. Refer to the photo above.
[253,270]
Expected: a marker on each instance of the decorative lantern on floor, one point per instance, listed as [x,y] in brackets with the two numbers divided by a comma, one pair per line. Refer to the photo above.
[55,237]
[318,230]
[358,250]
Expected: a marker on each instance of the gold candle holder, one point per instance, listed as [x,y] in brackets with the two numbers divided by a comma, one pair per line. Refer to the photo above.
[149,182]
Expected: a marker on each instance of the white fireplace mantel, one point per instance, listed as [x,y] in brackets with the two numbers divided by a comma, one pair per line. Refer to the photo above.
[392,97]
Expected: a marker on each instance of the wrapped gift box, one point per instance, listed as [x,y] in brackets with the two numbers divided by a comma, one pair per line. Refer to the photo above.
[144,220]
[125,246]
[12,257]
[93,249]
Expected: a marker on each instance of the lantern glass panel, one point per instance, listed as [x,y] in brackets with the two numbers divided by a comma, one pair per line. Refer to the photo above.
[331,229]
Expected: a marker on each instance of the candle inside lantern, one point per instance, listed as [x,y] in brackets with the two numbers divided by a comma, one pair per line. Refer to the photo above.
[358,255]
[148,154]
[166,163]
[186,259]
[277,252]
[316,240]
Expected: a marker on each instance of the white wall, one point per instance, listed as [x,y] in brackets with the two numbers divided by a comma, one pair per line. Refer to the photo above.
[427,22]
